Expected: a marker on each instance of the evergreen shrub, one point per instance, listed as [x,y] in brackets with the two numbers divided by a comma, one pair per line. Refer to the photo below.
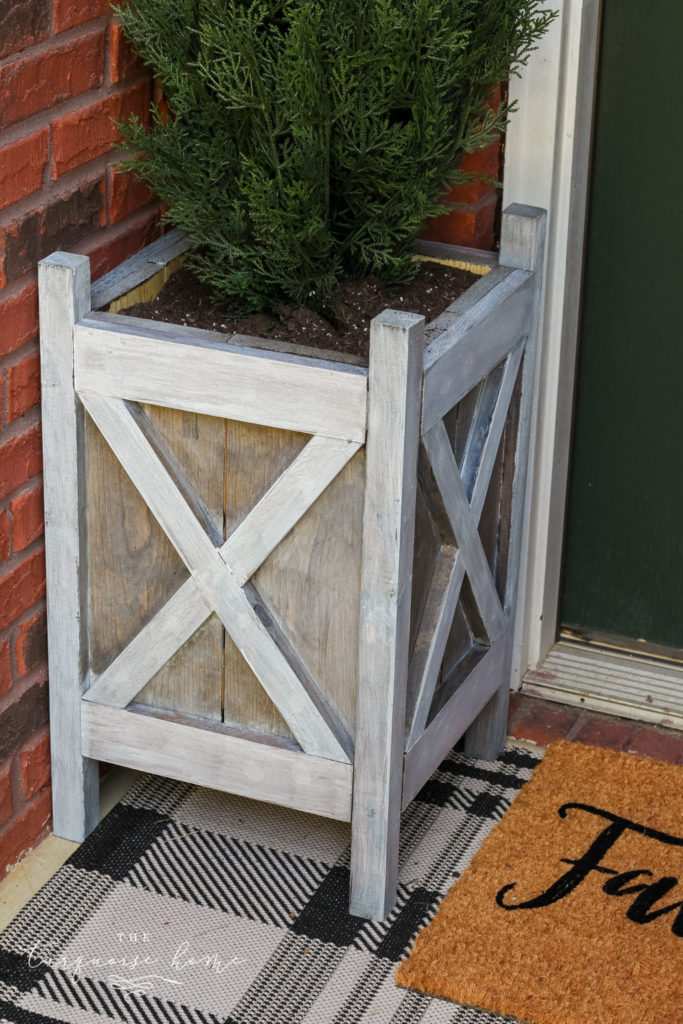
[308,140]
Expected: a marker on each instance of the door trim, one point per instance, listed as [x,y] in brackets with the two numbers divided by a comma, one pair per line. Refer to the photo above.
[630,685]
[547,164]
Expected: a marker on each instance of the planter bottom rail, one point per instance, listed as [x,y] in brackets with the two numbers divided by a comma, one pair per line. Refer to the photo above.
[277,574]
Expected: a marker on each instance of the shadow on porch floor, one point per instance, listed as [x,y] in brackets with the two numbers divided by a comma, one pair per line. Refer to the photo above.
[532,722]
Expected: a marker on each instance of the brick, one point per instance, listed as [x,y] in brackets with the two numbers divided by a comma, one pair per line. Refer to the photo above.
[89,132]
[6,805]
[23,23]
[5,535]
[662,746]
[34,761]
[5,668]
[23,386]
[27,518]
[21,835]
[61,225]
[122,60]
[482,161]
[21,719]
[21,167]
[36,81]
[18,319]
[109,249]
[68,13]
[30,649]
[544,723]
[21,587]
[126,194]
[472,227]
[20,459]
[608,733]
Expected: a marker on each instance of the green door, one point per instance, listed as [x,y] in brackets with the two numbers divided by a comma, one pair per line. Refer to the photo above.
[623,573]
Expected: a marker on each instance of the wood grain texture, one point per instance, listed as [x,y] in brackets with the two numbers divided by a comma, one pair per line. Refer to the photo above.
[430,647]
[255,459]
[209,756]
[464,528]
[283,505]
[221,379]
[64,297]
[454,719]
[135,571]
[193,680]
[396,349]
[150,648]
[311,584]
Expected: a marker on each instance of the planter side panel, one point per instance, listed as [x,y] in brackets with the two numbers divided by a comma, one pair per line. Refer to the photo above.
[134,569]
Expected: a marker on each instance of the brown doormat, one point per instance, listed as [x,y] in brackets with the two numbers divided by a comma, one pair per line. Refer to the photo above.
[572,910]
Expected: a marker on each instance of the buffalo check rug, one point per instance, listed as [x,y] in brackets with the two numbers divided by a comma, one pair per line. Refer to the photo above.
[195,907]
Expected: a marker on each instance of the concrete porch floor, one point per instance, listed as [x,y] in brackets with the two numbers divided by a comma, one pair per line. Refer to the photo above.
[532,722]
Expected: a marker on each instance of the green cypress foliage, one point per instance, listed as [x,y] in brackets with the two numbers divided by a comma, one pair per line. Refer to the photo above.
[308,140]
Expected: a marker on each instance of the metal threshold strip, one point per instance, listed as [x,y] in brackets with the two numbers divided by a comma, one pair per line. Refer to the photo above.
[617,683]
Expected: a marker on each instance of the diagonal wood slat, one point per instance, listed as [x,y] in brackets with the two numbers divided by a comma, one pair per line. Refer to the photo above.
[151,648]
[296,696]
[498,420]
[432,638]
[281,508]
[465,529]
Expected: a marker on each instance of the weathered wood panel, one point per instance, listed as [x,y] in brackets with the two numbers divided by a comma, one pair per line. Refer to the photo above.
[162,483]
[311,585]
[134,569]
[255,458]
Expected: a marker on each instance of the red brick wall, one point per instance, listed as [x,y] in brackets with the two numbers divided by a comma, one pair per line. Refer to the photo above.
[474,214]
[65,71]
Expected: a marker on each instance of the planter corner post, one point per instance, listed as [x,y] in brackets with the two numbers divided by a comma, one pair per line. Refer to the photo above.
[64,298]
[394,402]
[522,247]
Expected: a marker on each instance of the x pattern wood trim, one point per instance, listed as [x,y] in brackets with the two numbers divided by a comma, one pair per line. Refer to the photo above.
[219,573]
[466,555]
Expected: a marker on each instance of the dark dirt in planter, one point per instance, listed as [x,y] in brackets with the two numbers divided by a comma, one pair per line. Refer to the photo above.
[184,300]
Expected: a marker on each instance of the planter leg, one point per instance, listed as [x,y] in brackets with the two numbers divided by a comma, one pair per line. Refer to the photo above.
[395,377]
[64,289]
[485,738]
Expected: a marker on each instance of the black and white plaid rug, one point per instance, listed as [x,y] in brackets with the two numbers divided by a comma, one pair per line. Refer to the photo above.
[190,906]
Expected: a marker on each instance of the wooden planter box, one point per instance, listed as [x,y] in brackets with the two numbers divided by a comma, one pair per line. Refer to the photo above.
[279,575]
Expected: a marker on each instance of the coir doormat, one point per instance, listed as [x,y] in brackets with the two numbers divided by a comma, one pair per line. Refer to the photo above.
[187,906]
[572,910]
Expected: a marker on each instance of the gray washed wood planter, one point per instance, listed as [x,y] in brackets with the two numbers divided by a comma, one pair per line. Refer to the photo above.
[283,576]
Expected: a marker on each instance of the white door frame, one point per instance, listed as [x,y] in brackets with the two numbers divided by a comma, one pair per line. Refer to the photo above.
[547,164]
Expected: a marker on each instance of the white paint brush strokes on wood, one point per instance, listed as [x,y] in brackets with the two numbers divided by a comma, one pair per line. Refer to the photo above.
[218,379]
[64,289]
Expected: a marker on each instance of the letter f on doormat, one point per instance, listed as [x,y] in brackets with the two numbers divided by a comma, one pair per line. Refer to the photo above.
[572,910]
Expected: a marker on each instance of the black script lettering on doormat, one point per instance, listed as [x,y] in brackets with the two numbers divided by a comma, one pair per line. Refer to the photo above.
[620,884]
